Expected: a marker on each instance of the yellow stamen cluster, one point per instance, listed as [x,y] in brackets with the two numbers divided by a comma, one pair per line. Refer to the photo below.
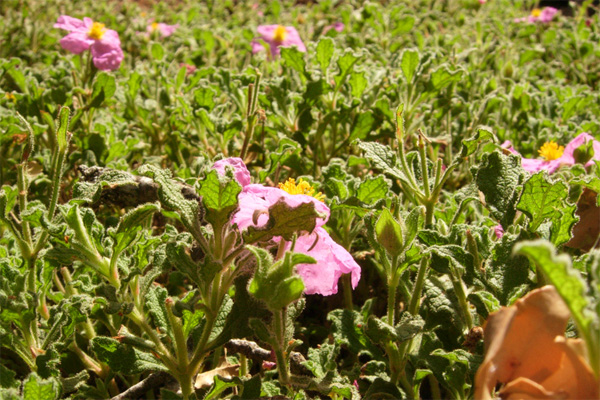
[302,187]
[96,31]
[154,26]
[279,34]
[536,12]
[551,151]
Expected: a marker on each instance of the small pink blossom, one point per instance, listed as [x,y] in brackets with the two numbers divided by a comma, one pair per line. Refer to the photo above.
[533,165]
[189,69]
[482,1]
[163,29]
[337,26]
[87,34]
[499,231]
[332,259]
[546,15]
[277,36]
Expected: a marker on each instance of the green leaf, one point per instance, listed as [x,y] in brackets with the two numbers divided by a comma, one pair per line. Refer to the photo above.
[131,224]
[442,77]
[571,287]
[372,189]
[219,196]
[382,158]
[157,51]
[379,331]
[205,98]
[294,58]
[347,330]
[469,146]
[543,200]
[389,233]
[36,388]
[418,377]
[125,358]
[322,359]
[286,292]
[325,53]
[410,61]
[346,65]
[408,326]
[499,178]
[358,82]
[284,221]
[219,387]
[170,197]
[7,378]
[363,124]
[156,302]
[62,134]
[104,88]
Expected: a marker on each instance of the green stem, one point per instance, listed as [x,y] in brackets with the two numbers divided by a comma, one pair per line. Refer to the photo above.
[184,377]
[392,286]
[415,299]
[23,187]
[283,368]
[424,169]
[347,287]
[164,354]
[459,290]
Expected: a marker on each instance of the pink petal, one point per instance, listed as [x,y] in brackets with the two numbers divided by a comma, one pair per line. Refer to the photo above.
[256,46]
[499,231]
[69,23]
[251,206]
[167,30]
[293,39]
[106,55]
[332,262]
[76,42]
[241,173]
[547,14]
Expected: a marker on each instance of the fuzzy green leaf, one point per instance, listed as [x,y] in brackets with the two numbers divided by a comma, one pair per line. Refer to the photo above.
[36,388]
[325,52]
[219,197]
[410,61]
[104,88]
[124,358]
[294,58]
[284,221]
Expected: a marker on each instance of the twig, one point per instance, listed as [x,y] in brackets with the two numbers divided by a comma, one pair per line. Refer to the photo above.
[141,388]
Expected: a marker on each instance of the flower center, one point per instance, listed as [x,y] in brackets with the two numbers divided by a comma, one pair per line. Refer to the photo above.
[302,187]
[154,26]
[280,34]
[551,151]
[97,31]
[536,12]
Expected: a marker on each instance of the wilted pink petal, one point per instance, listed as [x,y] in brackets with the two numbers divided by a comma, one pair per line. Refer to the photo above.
[332,262]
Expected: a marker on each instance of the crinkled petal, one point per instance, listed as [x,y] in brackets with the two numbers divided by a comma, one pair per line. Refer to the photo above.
[547,14]
[266,31]
[76,42]
[251,207]
[293,39]
[241,173]
[106,55]
[332,262]
[568,157]
[69,23]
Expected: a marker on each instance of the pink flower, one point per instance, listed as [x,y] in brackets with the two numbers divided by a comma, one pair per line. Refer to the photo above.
[555,156]
[277,36]
[546,15]
[189,69]
[164,29]
[332,259]
[87,34]
[482,1]
[337,26]
[499,231]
